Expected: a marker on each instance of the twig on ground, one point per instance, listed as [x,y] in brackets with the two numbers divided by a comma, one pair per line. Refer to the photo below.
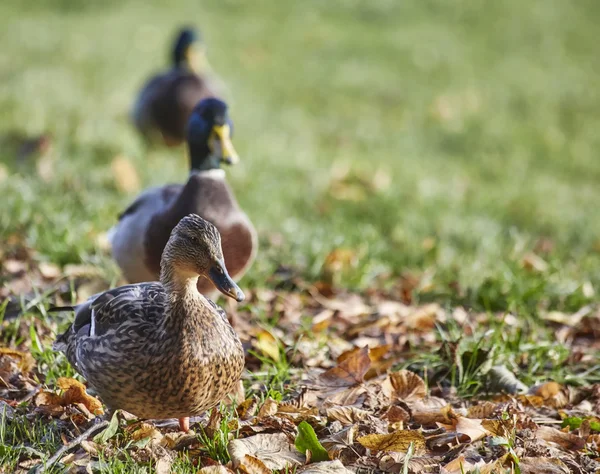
[69,446]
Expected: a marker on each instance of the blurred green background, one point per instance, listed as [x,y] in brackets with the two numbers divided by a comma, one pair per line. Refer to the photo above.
[445,140]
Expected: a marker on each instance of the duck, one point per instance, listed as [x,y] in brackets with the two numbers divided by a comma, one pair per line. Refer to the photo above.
[161,349]
[166,101]
[143,229]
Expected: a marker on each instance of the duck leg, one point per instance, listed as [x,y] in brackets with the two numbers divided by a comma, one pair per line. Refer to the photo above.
[184,424]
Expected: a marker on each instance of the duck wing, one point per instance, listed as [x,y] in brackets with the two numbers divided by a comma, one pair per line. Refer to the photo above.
[107,311]
[167,195]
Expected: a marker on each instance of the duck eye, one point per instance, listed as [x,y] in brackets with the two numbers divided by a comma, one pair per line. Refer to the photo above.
[195,239]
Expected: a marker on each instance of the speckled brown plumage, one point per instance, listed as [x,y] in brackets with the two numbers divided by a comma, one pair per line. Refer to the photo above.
[161,350]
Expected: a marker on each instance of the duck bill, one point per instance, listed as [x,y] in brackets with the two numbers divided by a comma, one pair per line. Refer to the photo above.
[223,282]
[224,146]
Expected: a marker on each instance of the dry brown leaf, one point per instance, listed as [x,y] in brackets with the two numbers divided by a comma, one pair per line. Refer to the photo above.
[272,450]
[340,441]
[396,416]
[461,465]
[74,392]
[502,428]
[543,465]
[472,428]
[163,465]
[125,175]
[24,361]
[346,415]
[404,385]
[483,410]
[215,470]
[553,394]
[425,415]
[398,441]
[269,408]
[147,431]
[325,468]
[350,371]
[246,409]
[442,443]
[566,441]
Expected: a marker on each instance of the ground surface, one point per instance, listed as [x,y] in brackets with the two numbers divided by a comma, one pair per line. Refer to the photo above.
[424,180]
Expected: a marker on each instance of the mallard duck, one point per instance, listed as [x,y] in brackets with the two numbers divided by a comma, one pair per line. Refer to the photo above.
[144,227]
[161,350]
[167,100]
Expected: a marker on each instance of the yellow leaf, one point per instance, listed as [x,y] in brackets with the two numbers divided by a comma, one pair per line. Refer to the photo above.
[75,393]
[399,441]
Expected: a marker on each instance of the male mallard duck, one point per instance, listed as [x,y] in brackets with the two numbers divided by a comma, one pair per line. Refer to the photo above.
[143,229]
[161,350]
[167,100]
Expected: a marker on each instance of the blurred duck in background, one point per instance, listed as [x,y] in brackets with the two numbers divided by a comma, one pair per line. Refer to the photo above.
[165,103]
[144,227]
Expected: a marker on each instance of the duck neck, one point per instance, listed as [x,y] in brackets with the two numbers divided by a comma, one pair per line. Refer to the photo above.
[201,158]
[183,295]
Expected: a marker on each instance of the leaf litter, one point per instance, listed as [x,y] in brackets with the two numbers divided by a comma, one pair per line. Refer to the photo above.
[341,382]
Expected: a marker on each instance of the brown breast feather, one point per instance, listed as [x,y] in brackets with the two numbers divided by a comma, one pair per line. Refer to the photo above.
[212,199]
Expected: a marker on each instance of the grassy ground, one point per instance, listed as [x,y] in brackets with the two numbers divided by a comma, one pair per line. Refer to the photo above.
[449,148]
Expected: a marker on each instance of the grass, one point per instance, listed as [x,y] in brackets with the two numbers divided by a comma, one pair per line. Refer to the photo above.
[436,139]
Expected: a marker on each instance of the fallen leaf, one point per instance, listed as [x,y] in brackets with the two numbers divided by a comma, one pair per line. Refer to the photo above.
[246,409]
[404,385]
[472,428]
[426,415]
[552,393]
[269,408]
[335,467]
[534,263]
[398,441]
[215,470]
[346,415]
[460,465]
[74,392]
[272,450]
[268,345]
[340,441]
[543,465]
[251,465]
[110,430]
[24,361]
[125,175]
[307,441]
[163,465]
[350,371]
[566,441]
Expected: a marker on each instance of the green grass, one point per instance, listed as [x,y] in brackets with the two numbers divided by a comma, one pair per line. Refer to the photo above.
[483,116]
[432,138]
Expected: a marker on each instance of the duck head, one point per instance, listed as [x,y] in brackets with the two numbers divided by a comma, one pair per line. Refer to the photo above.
[194,249]
[189,51]
[209,134]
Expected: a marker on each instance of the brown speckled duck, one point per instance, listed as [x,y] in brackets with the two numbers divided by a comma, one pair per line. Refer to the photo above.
[144,227]
[165,103]
[161,350]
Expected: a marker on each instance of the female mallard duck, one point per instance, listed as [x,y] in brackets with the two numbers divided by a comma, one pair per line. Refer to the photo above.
[143,229]
[167,100]
[161,350]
